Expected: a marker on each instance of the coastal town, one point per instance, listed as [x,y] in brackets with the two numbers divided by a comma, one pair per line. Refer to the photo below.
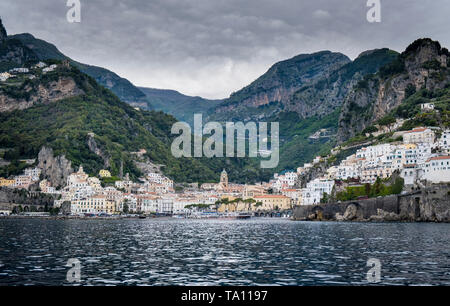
[422,155]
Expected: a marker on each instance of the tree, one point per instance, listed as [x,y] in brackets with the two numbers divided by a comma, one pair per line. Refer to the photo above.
[54,211]
[377,186]
[367,189]
[397,187]
[325,198]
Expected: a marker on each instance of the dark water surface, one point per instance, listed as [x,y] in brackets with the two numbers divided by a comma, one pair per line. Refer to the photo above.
[221,252]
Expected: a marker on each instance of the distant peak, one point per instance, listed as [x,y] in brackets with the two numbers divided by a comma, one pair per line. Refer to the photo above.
[24,36]
[425,43]
[370,52]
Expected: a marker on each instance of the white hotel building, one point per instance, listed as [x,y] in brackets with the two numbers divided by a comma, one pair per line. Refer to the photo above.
[437,169]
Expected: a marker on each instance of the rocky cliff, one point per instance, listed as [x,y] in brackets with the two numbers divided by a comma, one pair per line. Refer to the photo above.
[95,148]
[123,88]
[276,86]
[325,95]
[431,204]
[423,65]
[42,93]
[3,34]
[54,169]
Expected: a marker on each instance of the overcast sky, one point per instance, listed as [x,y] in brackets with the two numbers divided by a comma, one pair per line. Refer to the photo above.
[211,48]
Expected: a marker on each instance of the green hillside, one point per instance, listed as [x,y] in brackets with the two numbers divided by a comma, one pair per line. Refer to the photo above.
[119,129]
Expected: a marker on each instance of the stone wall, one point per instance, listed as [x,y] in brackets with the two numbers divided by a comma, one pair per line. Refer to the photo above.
[431,204]
[10,198]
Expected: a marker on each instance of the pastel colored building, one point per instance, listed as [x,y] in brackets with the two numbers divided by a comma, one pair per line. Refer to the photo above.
[273,202]
[104,173]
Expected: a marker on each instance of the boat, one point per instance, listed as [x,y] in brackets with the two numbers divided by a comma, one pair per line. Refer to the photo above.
[243,216]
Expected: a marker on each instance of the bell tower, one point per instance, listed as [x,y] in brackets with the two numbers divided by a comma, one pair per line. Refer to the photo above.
[224,179]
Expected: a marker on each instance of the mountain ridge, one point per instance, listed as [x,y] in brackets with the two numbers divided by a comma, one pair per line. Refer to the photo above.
[272,89]
[43,50]
[182,107]
[423,65]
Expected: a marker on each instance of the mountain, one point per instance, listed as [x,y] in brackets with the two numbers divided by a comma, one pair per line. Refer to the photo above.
[81,121]
[271,92]
[327,94]
[318,99]
[169,101]
[422,69]
[12,52]
[176,104]
[68,113]
[43,50]
[304,94]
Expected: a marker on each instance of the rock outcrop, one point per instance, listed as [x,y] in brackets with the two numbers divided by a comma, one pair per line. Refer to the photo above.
[325,95]
[316,171]
[272,91]
[3,34]
[424,64]
[431,204]
[64,87]
[97,150]
[54,169]
[13,51]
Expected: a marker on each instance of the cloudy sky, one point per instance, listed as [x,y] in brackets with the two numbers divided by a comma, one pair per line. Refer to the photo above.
[211,48]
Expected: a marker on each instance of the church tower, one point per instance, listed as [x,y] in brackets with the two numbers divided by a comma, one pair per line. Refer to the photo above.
[224,179]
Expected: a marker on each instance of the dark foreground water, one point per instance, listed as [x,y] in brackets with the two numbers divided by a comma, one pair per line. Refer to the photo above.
[214,252]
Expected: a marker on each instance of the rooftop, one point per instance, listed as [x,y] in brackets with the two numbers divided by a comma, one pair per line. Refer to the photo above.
[272,196]
[417,130]
[439,158]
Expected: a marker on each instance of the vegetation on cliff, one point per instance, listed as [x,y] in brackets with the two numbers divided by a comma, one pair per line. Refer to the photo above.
[419,75]
[377,189]
[118,129]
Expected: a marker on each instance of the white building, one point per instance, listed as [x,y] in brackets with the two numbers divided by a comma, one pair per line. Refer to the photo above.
[410,174]
[284,181]
[315,191]
[147,203]
[34,173]
[130,200]
[427,106]
[165,205]
[374,152]
[419,135]
[40,65]
[179,204]
[22,181]
[49,69]
[437,169]
[4,76]
[19,70]
[322,185]
[310,196]
[444,141]
[294,194]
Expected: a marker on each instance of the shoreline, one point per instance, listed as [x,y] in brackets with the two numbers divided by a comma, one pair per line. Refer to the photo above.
[221,219]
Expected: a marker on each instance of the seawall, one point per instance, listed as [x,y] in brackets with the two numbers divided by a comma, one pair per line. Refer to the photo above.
[431,204]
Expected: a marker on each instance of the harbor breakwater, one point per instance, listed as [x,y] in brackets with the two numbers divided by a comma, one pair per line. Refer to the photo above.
[430,204]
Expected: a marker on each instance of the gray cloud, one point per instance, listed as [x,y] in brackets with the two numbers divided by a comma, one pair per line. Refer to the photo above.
[211,47]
